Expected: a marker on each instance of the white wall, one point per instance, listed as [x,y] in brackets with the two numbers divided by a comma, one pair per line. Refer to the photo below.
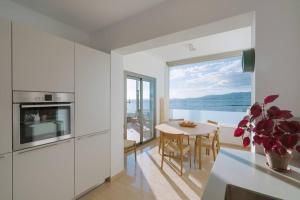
[13,11]
[146,64]
[117,114]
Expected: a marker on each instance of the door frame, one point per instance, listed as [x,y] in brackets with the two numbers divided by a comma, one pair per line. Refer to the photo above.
[140,77]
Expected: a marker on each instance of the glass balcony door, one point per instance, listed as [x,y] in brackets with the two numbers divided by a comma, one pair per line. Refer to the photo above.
[139,107]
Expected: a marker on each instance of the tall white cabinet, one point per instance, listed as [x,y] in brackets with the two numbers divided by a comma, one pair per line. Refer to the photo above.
[45,172]
[5,88]
[92,90]
[5,111]
[92,118]
[41,61]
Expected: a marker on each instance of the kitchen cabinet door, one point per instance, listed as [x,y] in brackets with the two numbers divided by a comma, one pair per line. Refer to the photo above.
[41,61]
[6,176]
[45,172]
[92,161]
[5,88]
[92,91]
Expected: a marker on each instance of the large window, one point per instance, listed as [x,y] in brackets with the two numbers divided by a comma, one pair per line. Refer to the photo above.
[216,90]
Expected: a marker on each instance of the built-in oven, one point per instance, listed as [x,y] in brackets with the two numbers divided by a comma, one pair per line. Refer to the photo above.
[41,117]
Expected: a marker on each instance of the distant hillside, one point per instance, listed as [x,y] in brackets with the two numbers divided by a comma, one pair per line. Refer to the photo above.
[233,102]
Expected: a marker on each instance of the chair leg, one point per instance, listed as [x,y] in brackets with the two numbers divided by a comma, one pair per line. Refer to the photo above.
[195,150]
[162,162]
[181,163]
[214,154]
[162,158]
[159,144]
[135,153]
[190,157]
[200,154]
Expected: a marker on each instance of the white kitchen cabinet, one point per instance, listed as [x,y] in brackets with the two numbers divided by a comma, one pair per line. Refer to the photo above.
[5,88]
[41,61]
[6,176]
[92,91]
[45,172]
[92,161]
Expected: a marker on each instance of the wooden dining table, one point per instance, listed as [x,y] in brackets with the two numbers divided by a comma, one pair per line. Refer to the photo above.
[202,129]
[173,127]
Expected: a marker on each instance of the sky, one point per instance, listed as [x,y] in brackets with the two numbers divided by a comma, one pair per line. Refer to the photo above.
[133,85]
[208,78]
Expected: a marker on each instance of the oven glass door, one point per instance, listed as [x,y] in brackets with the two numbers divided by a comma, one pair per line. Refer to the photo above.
[42,122]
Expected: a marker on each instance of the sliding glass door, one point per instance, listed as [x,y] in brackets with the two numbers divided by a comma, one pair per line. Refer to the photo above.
[139,107]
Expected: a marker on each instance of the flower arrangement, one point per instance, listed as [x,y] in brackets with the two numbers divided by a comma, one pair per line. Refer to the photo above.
[271,126]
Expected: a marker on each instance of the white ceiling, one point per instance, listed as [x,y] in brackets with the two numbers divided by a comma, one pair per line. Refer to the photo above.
[213,44]
[89,15]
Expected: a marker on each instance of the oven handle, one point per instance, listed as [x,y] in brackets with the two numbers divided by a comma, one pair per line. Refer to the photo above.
[45,105]
[2,156]
[43,146]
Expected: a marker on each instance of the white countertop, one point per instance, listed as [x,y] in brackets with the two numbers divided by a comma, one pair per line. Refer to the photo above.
[248,170]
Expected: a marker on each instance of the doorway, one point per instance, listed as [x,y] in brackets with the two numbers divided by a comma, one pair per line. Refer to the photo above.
[140,107]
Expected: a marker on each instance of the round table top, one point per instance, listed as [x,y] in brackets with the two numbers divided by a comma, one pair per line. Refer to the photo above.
[175,128]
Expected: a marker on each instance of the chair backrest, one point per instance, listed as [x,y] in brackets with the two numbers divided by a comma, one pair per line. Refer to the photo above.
[170,137]
[212,122]
[216,135]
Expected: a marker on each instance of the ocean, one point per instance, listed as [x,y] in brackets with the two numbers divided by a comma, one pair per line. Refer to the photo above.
[227,109]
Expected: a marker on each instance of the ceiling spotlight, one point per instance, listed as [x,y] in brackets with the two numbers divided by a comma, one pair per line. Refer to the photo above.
[191,47]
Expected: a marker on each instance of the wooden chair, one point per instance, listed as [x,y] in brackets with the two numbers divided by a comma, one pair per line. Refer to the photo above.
[130,145]
[186,136]
[173,147]
[209,142]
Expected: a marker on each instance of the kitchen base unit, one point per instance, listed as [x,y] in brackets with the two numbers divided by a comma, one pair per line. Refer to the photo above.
[6,176]
[92,161]
[44,172]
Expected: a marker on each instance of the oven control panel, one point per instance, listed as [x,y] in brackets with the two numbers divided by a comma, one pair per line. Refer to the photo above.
[30,97]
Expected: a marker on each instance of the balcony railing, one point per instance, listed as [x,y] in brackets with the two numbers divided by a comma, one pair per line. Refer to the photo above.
[223,117]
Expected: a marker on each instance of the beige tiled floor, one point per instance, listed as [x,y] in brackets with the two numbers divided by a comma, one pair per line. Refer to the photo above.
[145,180]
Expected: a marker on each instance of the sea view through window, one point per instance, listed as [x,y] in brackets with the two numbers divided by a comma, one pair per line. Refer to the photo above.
[211,90]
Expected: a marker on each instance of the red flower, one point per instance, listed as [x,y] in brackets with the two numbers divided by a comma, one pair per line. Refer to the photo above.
[290,126]
[289,140]
[270,98]
[257,139]
[272,127]
[268,143]
[246,141]
[298,148]
[274,112]
[243,123]
[285,114]
[256,110]
[239,132]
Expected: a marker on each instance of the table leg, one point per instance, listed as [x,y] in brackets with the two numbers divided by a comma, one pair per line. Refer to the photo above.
[199,142]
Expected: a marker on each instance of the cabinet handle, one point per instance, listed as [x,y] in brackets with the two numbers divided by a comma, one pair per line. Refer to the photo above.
[2,156]
[92,134]
[44,146]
